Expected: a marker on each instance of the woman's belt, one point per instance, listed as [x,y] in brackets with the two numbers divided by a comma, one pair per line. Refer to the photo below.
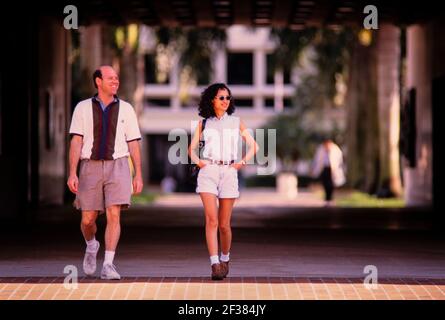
[220,162]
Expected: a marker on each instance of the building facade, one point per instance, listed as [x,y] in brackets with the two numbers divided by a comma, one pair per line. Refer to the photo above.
[172,104]
[171,98]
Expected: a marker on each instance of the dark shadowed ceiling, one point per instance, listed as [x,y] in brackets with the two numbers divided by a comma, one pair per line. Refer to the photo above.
[279,13]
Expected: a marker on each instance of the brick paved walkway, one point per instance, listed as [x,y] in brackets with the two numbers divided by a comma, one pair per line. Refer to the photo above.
[277,255]
[254,288]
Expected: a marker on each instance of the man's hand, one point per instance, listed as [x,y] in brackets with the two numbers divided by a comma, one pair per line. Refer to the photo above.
[73,183]
[137,184]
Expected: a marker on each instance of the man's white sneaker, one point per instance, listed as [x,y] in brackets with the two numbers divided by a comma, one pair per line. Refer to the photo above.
[109,272]
[89,260]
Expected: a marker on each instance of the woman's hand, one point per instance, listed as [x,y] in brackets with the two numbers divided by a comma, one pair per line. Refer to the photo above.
[238,165]
[202,163]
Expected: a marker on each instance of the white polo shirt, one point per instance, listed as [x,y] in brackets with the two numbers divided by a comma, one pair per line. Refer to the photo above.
[105,132]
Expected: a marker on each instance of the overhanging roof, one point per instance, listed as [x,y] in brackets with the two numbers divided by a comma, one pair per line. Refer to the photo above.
[278,13]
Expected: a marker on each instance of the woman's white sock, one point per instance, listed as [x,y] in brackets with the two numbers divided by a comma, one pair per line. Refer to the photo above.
[225,257]
[213,260]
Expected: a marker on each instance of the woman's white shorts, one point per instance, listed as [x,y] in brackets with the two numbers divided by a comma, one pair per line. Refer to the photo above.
[221,180]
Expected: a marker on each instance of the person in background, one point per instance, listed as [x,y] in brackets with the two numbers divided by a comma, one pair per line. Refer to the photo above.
[328,167]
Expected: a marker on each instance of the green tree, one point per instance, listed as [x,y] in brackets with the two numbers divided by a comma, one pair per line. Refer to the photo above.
[125,43]
[195,47]
[362,126]
[298,131]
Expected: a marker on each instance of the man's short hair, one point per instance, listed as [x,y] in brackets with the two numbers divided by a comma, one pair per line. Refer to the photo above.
[96,74]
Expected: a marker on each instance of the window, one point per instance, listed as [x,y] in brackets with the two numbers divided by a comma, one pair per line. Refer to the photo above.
[269,103]
[240,68]
[271,71]
[204,72]
[190,102]
[153,102]
[151,73]
[287,102]
[286,76]
[243,103]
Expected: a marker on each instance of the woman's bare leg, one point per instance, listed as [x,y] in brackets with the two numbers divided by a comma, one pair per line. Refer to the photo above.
[225,230]
[211,221]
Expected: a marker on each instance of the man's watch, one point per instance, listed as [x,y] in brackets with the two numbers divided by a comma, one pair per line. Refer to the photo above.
[243,162]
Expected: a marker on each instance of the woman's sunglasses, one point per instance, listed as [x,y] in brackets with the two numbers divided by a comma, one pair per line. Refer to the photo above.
[228,98]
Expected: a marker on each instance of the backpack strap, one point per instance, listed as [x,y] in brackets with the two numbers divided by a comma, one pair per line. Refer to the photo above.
[201,142]
[202,128]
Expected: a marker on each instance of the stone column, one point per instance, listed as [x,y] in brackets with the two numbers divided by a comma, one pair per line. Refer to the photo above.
[388,100]
[418,179]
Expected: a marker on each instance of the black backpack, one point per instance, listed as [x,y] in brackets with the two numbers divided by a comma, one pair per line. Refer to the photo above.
[193,167]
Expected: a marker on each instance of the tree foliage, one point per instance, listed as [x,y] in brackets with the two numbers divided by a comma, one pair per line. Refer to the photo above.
[299,130]
[195,47]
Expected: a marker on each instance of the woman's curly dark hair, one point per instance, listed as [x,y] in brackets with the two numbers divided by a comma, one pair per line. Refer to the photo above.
[206,105]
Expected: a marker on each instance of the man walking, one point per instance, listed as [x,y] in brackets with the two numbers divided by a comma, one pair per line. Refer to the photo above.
[104,131]
[328,167]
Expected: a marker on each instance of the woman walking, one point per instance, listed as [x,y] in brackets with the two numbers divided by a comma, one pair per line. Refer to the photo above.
[218,174]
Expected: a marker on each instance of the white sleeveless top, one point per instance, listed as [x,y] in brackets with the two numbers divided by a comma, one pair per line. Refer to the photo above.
[221,138]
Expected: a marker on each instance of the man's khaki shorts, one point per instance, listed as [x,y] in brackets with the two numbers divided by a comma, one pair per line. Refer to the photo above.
[103,183]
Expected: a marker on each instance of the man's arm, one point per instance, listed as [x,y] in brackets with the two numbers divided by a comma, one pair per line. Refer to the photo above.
[135,154]
[74,156]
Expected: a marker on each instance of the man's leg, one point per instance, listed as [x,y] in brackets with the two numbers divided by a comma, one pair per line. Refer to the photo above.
[327,182]
[89,228]
[88,224]
[113,230]
[112,235]
[329,192]
[330,188]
